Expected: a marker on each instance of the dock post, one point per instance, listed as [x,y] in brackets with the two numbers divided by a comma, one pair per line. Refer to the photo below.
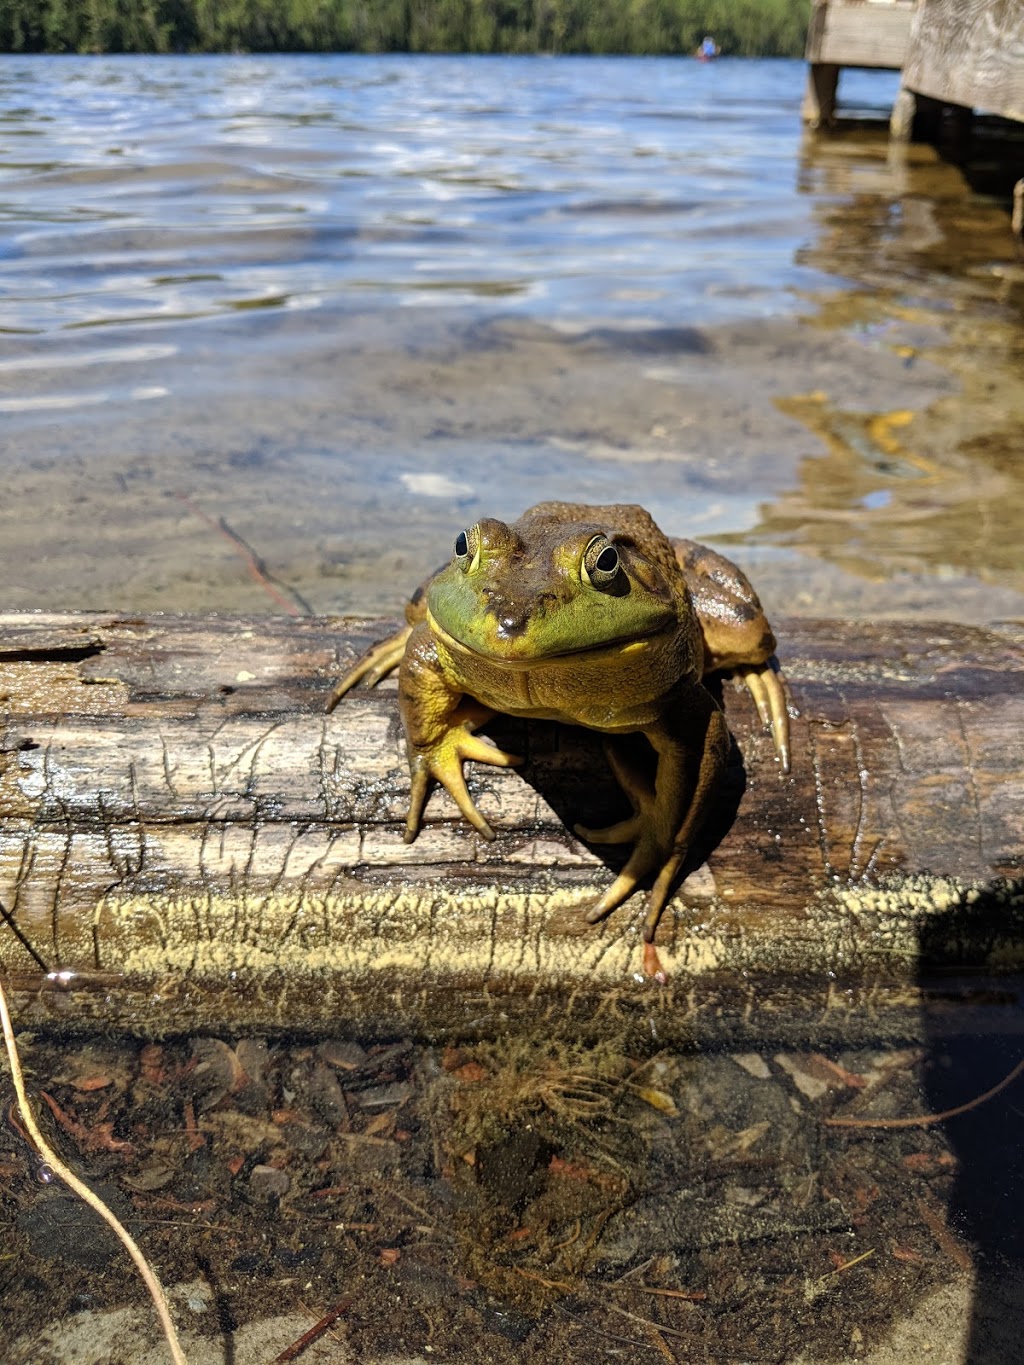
[819,106]
[917,116]
[901,120]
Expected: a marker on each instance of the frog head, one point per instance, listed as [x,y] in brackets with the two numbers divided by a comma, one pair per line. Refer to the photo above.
[542,588]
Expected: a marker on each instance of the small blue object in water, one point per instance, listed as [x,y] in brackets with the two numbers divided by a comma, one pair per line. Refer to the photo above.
[878,497]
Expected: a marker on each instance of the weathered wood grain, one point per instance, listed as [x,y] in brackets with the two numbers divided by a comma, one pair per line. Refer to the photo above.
[187,840]
[968,52]
[842,33]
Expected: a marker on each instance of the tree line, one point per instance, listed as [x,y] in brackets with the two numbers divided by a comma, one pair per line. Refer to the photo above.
[740,27]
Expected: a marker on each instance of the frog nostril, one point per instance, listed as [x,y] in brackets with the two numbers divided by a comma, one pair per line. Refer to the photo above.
[512,623]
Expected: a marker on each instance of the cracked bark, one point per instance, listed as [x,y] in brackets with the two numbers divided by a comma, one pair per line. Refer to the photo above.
[187,841]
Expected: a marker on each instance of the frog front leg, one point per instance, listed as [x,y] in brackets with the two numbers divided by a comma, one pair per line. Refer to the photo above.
[378,661]
[692,744]
[737,636]
[439,720]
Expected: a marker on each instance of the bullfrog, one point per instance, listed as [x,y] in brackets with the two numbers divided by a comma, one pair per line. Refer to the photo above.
[590,616]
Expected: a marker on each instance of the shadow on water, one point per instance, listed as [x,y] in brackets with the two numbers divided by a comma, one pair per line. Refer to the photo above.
[975,1037]
[988,151]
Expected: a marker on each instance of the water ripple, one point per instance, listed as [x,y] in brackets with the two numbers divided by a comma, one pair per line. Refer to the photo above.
[234,164]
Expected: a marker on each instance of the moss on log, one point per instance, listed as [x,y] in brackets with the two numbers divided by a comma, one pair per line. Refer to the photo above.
[188,841]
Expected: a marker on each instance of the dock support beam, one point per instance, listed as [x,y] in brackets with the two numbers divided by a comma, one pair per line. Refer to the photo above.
[901,120]
[819,106]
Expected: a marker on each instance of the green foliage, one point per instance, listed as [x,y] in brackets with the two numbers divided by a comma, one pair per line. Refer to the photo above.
[745,27]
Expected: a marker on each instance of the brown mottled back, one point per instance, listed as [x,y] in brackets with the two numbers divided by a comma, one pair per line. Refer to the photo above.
[624,519]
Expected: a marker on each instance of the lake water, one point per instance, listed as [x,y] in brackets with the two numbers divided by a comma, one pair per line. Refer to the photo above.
[346,305]
[325,311]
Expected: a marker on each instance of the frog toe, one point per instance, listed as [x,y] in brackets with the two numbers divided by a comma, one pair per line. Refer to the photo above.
[419,789]
[621,889]
[455,785]
[624,832]
[474,746]
[660,892]
[764,684]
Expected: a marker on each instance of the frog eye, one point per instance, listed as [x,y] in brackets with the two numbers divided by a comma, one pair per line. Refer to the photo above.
[467,549]
[600,567]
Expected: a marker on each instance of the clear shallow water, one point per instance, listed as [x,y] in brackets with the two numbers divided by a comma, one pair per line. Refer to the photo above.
[348,304]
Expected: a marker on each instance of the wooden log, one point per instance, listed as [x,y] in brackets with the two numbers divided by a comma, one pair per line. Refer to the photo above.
[188,841]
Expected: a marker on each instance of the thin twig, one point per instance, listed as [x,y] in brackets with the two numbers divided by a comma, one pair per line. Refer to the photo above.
[603,1331]
[293,1351]
[539,1279]
[687,1295]
[9,920]
[925,1120]
[635,1317]
[655,1333]
[942,1234]
[846,1265]
[83,1191]
[253,562]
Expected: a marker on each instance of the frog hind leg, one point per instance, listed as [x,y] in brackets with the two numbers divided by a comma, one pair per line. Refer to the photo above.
[439,722]
[737,636]
[637,786]
[691,759]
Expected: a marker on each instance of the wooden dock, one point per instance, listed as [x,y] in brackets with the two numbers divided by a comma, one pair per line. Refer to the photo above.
[851,33]
[967,53]
[963,54]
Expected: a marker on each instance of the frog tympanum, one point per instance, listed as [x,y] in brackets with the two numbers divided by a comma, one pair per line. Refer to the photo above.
[591,616]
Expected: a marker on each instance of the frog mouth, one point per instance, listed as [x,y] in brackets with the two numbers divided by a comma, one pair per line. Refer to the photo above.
[634,643]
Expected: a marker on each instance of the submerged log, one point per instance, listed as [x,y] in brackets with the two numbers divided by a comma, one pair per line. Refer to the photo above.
[188,841]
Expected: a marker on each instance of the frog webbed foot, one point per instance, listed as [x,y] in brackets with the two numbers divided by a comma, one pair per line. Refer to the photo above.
[442,761]
[764,682]
[653,835]
[668,810]
[650,858]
